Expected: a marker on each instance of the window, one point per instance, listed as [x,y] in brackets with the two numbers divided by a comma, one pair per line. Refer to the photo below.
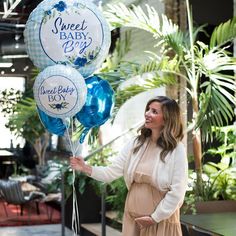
[7,138]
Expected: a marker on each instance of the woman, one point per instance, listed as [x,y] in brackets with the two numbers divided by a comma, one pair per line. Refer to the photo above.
[154,166]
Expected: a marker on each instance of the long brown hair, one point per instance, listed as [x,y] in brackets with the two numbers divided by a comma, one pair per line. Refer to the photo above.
[172,131]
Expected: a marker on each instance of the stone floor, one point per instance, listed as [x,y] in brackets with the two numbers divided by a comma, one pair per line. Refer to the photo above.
[38,230]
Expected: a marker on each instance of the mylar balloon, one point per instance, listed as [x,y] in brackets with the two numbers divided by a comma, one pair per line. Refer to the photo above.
[53,125]
[71,32]
[60,91]
[98,106]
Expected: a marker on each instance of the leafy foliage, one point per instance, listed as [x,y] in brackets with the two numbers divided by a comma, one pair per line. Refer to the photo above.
[8,100]
[206,68]
[219,181]
[117,195]
[25,121]
[224,33]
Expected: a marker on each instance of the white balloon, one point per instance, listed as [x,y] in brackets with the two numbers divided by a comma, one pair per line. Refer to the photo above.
[72,32]
[60,91]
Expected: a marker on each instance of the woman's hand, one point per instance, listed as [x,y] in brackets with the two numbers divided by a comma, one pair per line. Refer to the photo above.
[78,163]
[144,221]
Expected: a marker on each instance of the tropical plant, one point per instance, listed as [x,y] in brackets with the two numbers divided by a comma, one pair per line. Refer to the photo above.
[23,121]
[207,68]
[219,181]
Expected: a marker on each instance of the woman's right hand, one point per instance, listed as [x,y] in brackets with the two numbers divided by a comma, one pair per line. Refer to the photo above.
[78,163]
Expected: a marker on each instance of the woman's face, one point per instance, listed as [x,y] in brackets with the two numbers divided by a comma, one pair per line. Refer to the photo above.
[154,116]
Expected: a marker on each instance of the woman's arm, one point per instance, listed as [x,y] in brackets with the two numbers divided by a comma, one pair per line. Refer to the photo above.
[104,173]
[116,168]
[78,163]
[175,196]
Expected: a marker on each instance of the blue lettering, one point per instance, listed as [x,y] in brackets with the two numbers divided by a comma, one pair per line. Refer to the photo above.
[84,45]
[59,24]
[64,97]
[85,35]
[78,35]
[70,36]
[68,46]
[58,19]
[50,98]
[47,91]
[62,35]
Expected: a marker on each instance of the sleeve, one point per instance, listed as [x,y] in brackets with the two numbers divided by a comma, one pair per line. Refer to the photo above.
[175,195]
[116,168]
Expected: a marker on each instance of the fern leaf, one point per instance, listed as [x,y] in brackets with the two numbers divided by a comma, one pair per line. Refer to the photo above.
[224,33]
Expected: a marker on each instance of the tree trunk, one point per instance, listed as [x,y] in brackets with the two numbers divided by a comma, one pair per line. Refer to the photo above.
[176,11]
[197,149]
[40,145]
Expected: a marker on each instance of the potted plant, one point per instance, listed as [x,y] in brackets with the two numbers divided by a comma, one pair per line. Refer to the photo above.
[218,192]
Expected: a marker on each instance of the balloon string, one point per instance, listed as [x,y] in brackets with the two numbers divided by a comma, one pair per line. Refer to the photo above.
[75,224]
[75,214]
[76,150]
[70,141]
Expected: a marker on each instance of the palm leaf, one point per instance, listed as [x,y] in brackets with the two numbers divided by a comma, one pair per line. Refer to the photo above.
[215,109]
[161,27]
[120,15]
[224,33]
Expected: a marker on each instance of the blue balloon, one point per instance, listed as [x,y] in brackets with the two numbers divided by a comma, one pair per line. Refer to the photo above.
[98,106]
[53,125]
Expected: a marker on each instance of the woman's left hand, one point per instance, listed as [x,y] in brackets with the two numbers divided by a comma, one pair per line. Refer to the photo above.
[144,221]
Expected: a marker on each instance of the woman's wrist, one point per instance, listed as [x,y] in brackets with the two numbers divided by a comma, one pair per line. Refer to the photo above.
[87,170]
[152,219]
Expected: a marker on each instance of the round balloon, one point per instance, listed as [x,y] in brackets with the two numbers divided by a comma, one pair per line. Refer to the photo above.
[71,32]
[60,91]
[53,125]
[98,106]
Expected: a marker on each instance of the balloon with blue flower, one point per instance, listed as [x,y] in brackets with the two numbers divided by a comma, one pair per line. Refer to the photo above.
[60,91]
[71,32]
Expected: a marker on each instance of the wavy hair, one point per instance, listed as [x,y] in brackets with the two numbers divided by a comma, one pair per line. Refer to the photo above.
[172,131]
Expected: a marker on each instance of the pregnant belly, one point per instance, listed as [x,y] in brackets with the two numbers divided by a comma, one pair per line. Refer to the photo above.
[142,199]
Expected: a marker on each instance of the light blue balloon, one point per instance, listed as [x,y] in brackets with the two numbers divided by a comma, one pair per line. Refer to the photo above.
[98,106]
[66,32]
[53,125]
[60,91]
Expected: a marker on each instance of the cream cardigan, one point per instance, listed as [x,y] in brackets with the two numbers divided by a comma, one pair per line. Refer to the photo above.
[170,176]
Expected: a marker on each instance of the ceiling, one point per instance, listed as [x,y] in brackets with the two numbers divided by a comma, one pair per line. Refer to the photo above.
[12,25]
[13,16]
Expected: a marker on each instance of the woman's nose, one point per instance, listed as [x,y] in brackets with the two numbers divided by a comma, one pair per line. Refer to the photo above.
[147,113]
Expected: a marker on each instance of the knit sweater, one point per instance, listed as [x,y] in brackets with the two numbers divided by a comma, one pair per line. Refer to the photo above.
[169,176]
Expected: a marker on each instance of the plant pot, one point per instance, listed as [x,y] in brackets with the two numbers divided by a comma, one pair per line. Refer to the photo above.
[216,206]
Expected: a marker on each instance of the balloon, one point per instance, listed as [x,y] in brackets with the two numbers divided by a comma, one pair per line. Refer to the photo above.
[53,125]
[98,106]
[60,91]
[72,32]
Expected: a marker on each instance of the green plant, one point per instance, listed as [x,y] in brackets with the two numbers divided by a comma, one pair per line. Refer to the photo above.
[218,179]
[23,120]
[223,174]
[78,179]
[117,195]
[217,185]
[207,68]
